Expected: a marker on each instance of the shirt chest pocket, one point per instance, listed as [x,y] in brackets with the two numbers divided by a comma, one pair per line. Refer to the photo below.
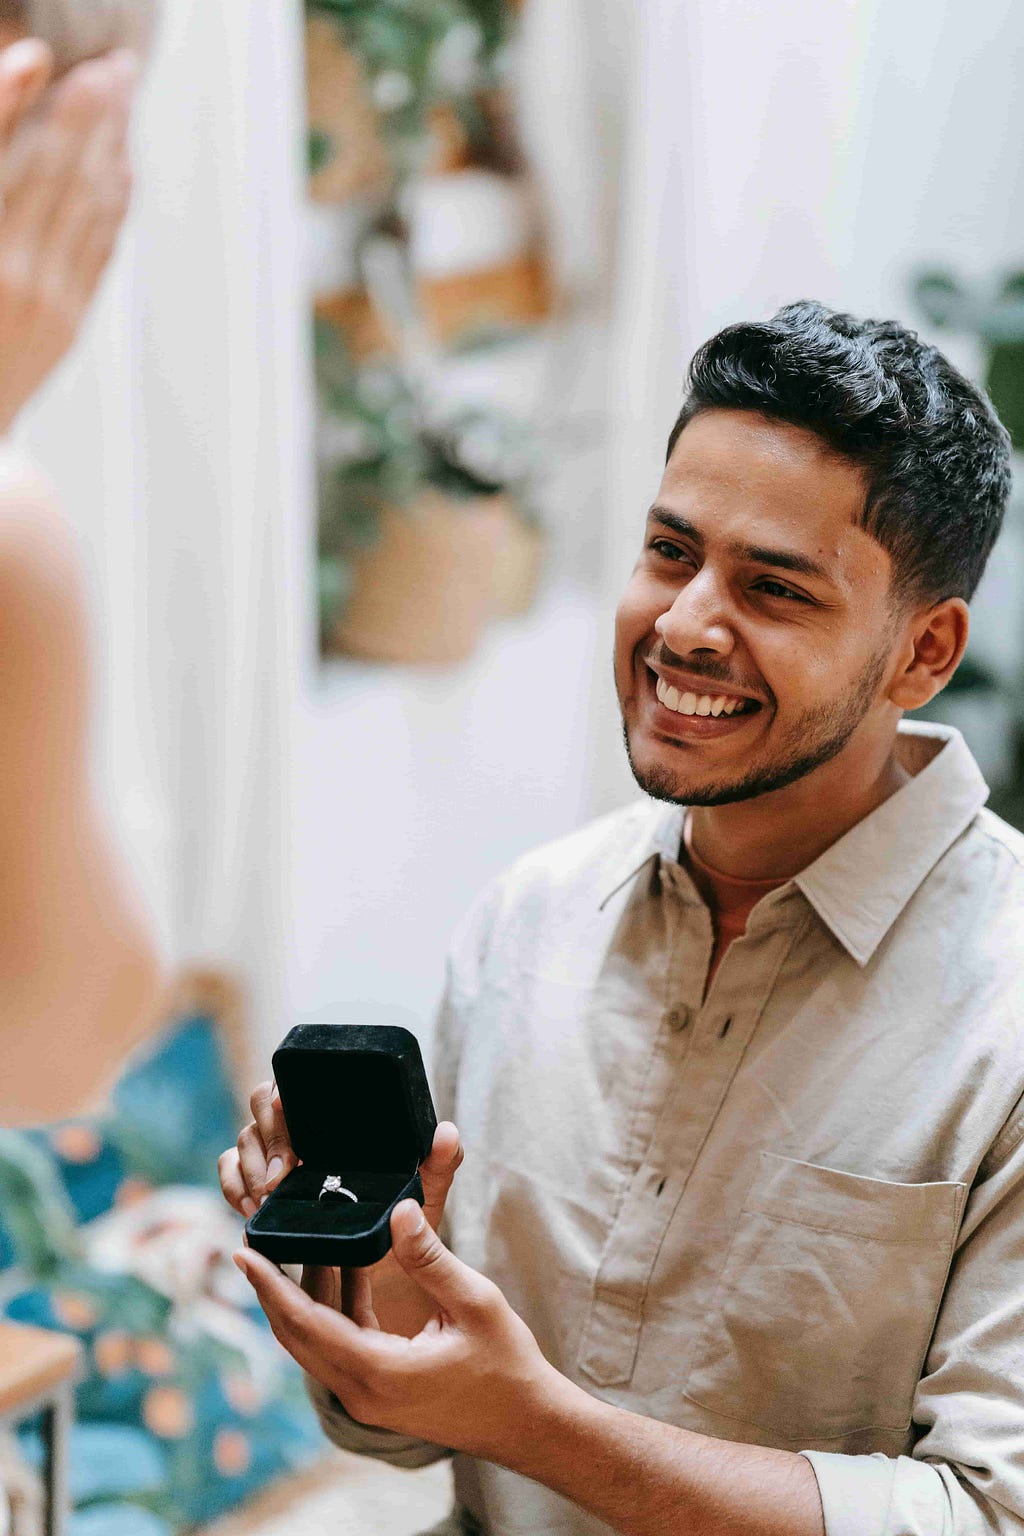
[823,1314]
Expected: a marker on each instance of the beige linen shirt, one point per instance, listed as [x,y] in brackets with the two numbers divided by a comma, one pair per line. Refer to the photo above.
[790,1213]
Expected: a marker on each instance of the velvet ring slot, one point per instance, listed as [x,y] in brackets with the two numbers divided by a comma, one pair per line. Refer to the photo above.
[359,1115]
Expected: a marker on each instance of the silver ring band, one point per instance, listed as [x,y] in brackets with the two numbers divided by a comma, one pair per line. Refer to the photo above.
[335,1189]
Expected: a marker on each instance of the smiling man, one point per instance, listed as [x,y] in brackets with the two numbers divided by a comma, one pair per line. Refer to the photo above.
[739,1069]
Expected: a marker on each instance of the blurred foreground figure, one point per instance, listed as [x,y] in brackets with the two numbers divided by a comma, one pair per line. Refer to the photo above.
[78,975]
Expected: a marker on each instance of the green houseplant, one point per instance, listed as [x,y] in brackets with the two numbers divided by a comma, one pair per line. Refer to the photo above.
[425,527]
[417,55]
[415,510]
[992,311]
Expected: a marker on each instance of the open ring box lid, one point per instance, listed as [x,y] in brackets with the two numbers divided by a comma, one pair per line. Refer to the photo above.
[357,1105]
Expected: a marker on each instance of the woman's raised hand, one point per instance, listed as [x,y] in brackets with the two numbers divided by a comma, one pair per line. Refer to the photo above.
[65,182]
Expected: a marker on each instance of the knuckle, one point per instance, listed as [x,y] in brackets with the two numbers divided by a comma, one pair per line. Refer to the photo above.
[259,1099]
[428,1251]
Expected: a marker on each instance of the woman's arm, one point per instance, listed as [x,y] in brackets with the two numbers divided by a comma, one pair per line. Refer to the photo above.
[79,978]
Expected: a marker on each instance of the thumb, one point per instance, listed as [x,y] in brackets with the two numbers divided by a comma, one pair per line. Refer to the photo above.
[453,1285]
[438,1170]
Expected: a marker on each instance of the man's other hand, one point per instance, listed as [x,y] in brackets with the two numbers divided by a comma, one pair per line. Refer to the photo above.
[264,1154]
[262,1157]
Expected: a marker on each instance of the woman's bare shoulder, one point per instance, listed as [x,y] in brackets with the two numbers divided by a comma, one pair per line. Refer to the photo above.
[43,604]
[39,556]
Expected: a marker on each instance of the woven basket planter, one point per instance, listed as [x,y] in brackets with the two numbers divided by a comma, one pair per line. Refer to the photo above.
[424,591]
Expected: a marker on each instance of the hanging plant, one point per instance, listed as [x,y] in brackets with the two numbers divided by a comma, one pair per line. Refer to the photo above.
[425,531]
[416,55]
[994,312]
[381,448]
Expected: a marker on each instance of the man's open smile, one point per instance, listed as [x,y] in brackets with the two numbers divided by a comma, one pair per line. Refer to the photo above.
[685,706]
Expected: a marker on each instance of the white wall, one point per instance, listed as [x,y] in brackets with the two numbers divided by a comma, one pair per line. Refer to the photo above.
[413,788]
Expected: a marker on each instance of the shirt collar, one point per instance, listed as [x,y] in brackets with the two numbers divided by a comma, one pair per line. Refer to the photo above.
[860,885]
[658,836]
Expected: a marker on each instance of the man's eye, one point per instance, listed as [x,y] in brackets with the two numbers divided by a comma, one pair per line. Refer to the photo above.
[779,589]
[668,549]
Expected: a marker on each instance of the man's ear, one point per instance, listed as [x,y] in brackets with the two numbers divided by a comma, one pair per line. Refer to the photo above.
[933,644]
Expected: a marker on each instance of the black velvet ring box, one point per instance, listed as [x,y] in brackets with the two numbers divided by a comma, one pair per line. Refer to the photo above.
[359,1110]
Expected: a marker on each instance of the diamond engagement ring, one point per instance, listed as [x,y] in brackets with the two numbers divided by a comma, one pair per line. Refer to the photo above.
[334,1189]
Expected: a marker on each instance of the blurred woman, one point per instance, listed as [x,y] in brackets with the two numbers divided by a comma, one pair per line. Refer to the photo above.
[79,979]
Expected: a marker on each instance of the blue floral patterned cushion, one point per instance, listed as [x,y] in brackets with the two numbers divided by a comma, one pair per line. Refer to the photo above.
[171,1115]
[179,1417]
[117,1520]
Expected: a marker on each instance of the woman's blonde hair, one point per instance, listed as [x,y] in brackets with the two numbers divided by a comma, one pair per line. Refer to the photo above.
[82,29]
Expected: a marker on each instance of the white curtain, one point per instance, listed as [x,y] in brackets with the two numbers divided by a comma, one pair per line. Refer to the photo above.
[178,438]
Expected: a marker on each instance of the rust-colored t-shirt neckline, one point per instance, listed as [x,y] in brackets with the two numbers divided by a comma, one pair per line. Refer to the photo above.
[730,899]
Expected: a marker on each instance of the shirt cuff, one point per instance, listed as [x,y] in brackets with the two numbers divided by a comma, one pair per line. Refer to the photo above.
[880,1495]
[364,1439]
[856,1491]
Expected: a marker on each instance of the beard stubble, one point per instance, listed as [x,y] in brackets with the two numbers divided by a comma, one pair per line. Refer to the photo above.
[818,736]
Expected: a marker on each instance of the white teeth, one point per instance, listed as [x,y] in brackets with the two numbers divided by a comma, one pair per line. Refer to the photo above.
[694,704]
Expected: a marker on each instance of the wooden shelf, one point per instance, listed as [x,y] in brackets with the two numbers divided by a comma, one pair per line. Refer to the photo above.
[34,1362]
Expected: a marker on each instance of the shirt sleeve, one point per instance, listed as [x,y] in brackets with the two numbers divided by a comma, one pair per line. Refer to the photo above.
[462,978]
[965,1474]
[363,1439]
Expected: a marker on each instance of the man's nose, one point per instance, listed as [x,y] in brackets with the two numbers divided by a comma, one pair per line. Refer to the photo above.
[698,620]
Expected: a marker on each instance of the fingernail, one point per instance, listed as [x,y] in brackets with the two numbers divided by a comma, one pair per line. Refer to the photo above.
[27,53]
[275,1168]
[420,1221]
[249,1206]
[239,1259]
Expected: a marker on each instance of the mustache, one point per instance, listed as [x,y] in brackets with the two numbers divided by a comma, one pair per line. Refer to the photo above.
[706,667]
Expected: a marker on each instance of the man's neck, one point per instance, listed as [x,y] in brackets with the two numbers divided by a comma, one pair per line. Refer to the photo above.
[775,836]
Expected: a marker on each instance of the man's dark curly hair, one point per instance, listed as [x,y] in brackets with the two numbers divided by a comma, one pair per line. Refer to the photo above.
[935,455]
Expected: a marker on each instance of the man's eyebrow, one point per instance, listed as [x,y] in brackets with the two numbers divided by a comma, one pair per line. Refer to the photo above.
[781,559]
[678,524]
[784,560]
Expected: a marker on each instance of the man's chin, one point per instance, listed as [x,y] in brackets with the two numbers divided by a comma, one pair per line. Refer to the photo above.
[663,781]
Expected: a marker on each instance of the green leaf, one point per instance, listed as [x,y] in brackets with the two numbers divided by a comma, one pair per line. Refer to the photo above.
[940,297]
[320,149]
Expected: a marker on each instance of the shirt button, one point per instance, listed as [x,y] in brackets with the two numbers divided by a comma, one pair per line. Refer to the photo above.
[677,1018]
